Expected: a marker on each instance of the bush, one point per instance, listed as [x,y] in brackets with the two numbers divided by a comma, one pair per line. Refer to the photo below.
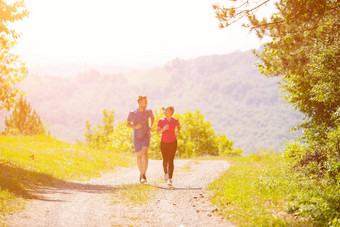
[318,201]
[319,166]
[197,137]
[101,136]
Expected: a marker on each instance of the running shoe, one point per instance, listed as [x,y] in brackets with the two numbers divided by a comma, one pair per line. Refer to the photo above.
[144,181]
[166,177]
[169,182]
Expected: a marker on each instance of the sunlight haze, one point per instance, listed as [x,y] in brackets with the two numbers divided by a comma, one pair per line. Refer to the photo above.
[124,33]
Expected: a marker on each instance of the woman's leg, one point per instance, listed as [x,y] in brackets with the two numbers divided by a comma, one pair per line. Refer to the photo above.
[164,150]
[172,151]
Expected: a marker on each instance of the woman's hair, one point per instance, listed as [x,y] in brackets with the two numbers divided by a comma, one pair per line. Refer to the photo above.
[141,98]
[172,108]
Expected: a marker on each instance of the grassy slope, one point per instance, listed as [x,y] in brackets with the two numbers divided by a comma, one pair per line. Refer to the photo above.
[252,193]
[29,162]
[255,191]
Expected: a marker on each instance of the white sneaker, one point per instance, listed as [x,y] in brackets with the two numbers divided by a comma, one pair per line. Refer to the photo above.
[166,177]
[169,182]
[142,179]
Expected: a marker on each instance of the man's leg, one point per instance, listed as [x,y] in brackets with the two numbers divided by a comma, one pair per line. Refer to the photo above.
[139,161]
[144,154]
[138,149]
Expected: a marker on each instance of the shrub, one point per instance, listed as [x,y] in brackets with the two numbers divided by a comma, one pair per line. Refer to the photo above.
[319,166]
[197,137]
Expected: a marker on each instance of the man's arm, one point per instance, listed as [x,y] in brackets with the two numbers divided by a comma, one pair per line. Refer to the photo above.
[152,121]
[130,125]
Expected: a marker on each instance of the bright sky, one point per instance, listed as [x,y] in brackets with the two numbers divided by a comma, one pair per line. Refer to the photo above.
[127,33]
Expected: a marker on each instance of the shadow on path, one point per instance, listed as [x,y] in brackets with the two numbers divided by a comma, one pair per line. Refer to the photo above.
[20,181]
[30,184]
[178,188]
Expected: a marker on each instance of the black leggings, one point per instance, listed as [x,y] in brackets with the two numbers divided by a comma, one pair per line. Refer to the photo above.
[168,152]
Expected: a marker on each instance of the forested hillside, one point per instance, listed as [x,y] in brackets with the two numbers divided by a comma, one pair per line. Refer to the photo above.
[238,100]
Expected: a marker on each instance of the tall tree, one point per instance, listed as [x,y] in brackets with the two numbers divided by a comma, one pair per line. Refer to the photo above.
[304,50]
[12,70]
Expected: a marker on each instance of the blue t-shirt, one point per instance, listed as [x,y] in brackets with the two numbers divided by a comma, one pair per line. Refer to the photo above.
[143,118]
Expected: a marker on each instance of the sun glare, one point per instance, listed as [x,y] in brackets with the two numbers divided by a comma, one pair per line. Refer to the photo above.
[125,33]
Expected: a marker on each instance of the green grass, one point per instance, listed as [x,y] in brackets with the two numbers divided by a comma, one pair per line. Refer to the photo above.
[134,193]
[29,162]
[186,168]
[254,191]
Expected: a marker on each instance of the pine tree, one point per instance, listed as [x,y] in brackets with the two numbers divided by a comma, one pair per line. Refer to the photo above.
[24,121]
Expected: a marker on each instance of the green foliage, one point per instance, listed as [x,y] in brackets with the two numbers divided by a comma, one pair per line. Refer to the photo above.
[253,192]
[154,148]
[197,138]
[24,121]
[99,137]
[318,201]
[320,180]
[304,50]
[121,138]
[12,70]
[225,147]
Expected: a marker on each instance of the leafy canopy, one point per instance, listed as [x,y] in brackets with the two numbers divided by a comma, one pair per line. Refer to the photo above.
[12,70]
[304,51]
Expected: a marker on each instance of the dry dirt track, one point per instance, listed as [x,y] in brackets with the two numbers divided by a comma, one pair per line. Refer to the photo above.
[90,203]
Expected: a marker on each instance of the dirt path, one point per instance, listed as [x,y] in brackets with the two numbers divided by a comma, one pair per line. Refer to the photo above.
[91,203]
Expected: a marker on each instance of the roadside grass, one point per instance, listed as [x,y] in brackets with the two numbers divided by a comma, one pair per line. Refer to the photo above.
[186,168]
[27,162]
[254,191]
[134,194]
[209,157]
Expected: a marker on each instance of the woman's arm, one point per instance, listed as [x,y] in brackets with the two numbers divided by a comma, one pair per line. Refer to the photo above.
[178,130]
[161,130]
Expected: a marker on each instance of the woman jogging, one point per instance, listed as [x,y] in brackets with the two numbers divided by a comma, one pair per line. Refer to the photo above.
[168,127]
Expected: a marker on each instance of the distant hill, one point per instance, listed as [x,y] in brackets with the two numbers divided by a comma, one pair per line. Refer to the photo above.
[238,100]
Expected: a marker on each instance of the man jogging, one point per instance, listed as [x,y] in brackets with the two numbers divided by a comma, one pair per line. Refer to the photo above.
[138,120]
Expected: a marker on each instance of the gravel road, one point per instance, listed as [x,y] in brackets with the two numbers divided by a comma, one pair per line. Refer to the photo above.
[91,203]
